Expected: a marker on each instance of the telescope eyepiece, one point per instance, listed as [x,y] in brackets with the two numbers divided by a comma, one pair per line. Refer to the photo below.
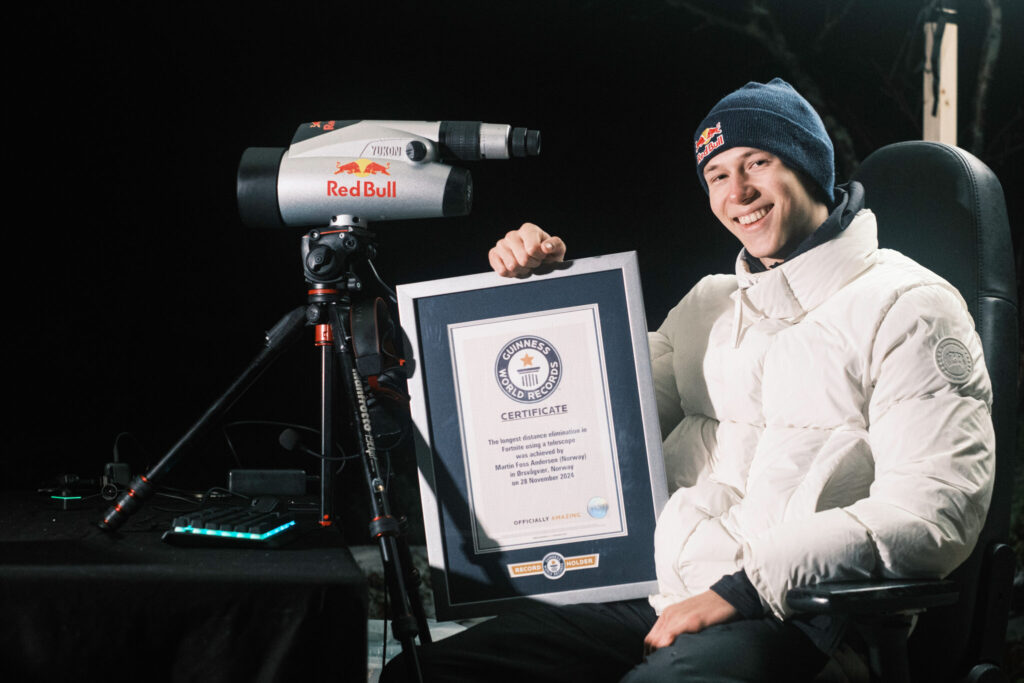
[473,140]
[525,142]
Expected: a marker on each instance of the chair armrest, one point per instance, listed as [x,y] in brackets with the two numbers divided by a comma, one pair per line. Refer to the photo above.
[873,598]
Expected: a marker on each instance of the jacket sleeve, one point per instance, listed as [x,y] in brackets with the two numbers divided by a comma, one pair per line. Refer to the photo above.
[677,358]
[663,374]
[931,438]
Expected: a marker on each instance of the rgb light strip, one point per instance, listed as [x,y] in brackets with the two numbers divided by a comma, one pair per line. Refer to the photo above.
[233,534]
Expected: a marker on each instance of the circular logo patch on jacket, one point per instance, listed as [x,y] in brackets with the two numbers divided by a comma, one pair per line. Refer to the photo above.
[954,360]
[528,369]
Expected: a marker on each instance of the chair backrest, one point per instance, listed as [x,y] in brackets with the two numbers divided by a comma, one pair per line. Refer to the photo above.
[945,209]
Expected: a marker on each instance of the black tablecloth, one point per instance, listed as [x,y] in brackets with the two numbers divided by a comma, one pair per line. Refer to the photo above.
[77,603]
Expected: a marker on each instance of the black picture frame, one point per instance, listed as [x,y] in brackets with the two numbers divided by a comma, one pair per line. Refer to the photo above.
[473,574]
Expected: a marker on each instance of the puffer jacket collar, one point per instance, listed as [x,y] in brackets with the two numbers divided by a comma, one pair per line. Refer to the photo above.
[795,287]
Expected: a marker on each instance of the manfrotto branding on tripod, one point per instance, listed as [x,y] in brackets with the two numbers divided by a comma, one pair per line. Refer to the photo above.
[364,414]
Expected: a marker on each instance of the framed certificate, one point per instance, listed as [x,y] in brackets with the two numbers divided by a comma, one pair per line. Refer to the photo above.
[539,452]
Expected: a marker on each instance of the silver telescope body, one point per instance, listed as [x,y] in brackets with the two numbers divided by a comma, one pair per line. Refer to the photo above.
[376,170]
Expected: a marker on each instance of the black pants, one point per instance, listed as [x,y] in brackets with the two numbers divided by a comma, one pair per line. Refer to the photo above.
[604,642]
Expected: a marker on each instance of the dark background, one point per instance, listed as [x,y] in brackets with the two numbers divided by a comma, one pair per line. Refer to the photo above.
[134,294]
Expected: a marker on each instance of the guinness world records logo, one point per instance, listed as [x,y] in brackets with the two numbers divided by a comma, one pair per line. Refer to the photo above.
[528,369]
[554,565]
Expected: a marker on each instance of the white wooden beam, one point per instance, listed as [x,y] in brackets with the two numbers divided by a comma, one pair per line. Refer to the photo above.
[940,121]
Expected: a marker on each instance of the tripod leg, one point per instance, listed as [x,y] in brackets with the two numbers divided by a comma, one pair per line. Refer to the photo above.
[412,582]
[325,340]
[141,487]
[383,526]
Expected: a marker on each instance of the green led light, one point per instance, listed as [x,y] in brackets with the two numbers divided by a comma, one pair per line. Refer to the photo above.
[66,497]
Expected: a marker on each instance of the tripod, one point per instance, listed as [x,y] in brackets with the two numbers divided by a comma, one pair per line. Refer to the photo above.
[347,325]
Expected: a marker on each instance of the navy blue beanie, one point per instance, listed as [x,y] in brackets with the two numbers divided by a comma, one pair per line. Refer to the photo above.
[775,118]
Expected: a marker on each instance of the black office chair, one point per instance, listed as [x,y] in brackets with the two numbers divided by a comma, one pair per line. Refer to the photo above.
[944,208]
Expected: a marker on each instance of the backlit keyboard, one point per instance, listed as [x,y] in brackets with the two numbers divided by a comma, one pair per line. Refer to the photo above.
[231,527]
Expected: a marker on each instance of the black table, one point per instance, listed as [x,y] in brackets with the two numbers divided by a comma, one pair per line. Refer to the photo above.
[80,604]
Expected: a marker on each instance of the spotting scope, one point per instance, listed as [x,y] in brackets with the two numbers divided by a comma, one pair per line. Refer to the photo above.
[376,170]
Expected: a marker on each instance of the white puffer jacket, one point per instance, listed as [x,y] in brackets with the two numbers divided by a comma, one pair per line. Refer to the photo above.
[824,420]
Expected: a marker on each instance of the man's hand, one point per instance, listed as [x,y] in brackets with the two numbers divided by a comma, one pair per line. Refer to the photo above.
[520,251]
[689,616]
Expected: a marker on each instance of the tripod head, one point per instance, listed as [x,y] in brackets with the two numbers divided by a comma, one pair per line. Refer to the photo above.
[331,256]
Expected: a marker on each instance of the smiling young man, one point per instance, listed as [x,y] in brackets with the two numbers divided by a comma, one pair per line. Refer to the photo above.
[763,202]
[811,430]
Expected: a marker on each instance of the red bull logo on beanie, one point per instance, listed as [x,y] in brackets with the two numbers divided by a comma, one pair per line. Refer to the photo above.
[708,141]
